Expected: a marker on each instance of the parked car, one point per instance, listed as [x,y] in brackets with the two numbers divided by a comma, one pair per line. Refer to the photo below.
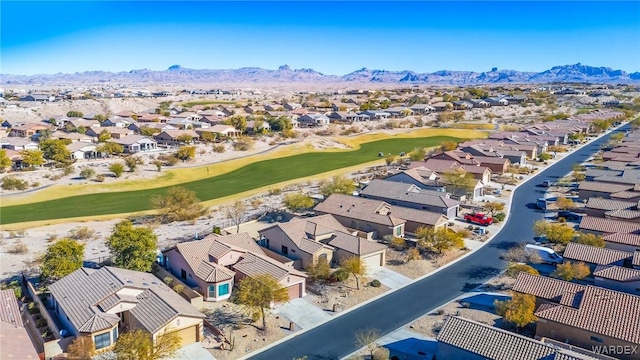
[478,218]
[569,215]
[541,204]
[546,255]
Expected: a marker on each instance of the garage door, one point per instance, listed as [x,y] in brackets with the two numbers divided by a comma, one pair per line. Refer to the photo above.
[188,335]
[372,262]
[294,291]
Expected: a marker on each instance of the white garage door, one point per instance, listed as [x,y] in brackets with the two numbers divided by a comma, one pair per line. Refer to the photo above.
[373,261]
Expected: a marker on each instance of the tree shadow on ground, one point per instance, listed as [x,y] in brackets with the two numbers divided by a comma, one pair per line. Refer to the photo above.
[227,317]
[481,272]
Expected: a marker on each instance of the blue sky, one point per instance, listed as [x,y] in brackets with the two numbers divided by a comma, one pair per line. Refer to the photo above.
[331,37]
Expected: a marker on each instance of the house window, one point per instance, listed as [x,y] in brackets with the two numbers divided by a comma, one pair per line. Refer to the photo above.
[223,289]
[183,274]
[398,231]
[114,334]
[285,250]
[102,340]
[212,291]
[293,251]
[597,339]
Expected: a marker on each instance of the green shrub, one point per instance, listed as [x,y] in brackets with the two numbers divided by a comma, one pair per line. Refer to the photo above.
[340,275]
[375,283]
[13,183]
[178,288]
[499,216]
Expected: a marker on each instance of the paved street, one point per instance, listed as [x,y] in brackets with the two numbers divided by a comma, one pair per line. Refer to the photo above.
[336,338]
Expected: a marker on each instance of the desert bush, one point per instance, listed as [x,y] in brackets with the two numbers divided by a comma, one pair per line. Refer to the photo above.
[275,191]
[82,233]
[340,275]
[35,184]
[14,183]
[219,148]
[18,249]
[499,216]
[375,283]
[178,288]
[243,144]
[99,178]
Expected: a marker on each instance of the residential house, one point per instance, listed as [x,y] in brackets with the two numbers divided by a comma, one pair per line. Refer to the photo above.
[15,342]
[176,137]
[251,126]
[102,303]
[495,101]
[136,143]
[82,150]
[477,148]
[622,242]
[273,107]
[137,127]
[462,105]
[312,120]
[593,255]
[348,107]
[421,177]
[290,106]
[442,106]
[76,124]
[16,159]
[411,196]
[376,114]
[28,130]
[187,115]
[213,265]
[125,113]
[362,214]
[599,207]
[416,219]
[461,338]
[18,144]
[73,137]
[254,109]
[224,130]
[309,239]
[38,97]
[421,109]
[350,117]
[617,278]
[398,111]
[591,189]
[592,173]
[607,226]
[584,318]
[479,103]
[117,121]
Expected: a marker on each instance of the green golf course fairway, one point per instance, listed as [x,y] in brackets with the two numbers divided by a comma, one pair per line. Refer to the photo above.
[255,175]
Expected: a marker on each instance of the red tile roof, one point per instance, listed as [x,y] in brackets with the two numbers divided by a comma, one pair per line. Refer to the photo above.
[594,254]
[608,225]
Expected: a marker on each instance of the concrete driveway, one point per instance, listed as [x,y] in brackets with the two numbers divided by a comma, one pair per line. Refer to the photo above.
[193,351]
[303,313]
[389,277]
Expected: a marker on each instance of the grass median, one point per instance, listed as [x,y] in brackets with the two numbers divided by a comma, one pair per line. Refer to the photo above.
[254,175]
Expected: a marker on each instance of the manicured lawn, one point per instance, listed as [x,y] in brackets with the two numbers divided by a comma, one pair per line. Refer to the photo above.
[255,175]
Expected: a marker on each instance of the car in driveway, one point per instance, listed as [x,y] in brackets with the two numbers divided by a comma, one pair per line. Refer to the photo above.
[569,215]
[478,218]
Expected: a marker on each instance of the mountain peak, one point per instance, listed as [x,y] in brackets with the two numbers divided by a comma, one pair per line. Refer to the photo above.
[284,68]
[175,67]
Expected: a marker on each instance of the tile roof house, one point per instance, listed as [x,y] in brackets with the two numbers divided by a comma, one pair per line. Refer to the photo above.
[28,130]
[600,225]
[618,278]
[599,206]
[409,195]
[622,241]
[594,255]
[101,303]
[15,342]
[592,189]
[461,338]
[136,143]
[172,137]
[306,240]
[363,214]
[584,316]
[214,264]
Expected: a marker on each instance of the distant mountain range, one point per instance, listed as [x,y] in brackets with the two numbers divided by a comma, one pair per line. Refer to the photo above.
[176,74]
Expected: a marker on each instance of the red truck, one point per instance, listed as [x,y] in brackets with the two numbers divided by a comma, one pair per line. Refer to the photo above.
[478,218]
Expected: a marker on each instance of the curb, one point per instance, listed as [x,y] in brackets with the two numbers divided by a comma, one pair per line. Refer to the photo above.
[510,203]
